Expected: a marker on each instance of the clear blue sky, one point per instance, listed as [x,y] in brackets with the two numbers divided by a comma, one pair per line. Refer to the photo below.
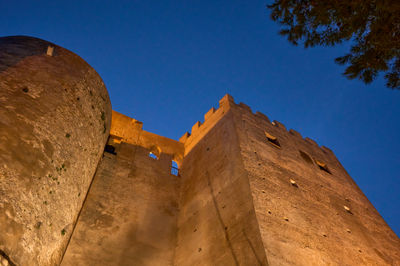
[166,63]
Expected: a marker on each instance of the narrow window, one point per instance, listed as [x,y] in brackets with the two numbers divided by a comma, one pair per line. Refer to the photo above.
[305,157]
[153,156]
[273,140]
[323,166]
[110,149]
[174,168]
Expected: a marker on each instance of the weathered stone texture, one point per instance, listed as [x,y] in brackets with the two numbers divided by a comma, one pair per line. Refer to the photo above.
[217,223]
[248,192]
[308,216]
[130,215]
[55,117]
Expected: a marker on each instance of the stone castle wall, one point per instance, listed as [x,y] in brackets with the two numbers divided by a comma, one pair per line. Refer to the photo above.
[130,214]
[55,117]
[217,224]
[248,191]
[308,215]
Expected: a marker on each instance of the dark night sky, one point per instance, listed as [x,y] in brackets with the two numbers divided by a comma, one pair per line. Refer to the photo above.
[166,63]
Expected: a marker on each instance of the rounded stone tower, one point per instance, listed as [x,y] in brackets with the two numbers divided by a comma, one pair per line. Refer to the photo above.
[55,117]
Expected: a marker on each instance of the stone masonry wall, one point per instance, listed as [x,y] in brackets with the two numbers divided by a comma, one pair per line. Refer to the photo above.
[249,193]
[130,214]
[55,117]
[308,216]
[217,223]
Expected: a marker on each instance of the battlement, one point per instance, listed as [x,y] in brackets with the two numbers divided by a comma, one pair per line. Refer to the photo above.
[129,130]
[199,129]
[125,127]
[85,184]
[241,177]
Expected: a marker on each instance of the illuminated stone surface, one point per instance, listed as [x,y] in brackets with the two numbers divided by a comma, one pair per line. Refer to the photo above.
[248,191]
[240,199]
[55,117]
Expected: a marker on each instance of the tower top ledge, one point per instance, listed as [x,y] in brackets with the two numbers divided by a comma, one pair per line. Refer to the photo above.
[226,103]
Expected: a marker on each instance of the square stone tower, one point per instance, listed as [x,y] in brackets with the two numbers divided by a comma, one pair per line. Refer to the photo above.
[248,192]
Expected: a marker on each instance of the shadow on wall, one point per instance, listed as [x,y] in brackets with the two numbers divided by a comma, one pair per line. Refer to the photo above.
[4,259]
[130,214]
[14,51]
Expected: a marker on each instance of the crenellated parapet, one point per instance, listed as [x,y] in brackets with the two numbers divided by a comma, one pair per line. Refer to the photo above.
[80,183]
[124,127]
[128,130]
[199,129]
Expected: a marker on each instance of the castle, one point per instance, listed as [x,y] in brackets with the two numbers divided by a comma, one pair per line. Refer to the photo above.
[81,184]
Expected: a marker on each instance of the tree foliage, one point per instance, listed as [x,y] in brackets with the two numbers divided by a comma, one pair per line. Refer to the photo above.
[373,27]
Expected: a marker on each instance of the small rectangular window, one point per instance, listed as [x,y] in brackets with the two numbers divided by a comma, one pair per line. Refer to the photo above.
[174,168]
[110,149]
[306,157]
[153,156]
[323,166]
[273,140]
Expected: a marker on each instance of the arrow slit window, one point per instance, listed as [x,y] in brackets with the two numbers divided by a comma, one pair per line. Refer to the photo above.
[272,140]
[323,166]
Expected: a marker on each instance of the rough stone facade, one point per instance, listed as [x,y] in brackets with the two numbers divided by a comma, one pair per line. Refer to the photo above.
[309,209]
[55,117]
[248,192]
[130,214]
